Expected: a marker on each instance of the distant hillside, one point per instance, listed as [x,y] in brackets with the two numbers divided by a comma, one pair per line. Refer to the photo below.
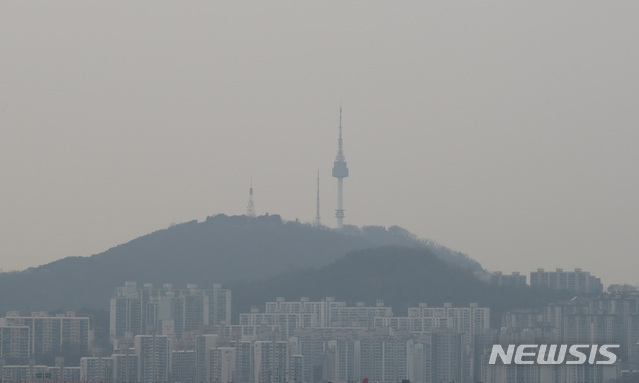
[402,277]
[221,249]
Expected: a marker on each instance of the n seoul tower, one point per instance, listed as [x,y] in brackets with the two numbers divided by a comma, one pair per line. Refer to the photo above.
[340,171]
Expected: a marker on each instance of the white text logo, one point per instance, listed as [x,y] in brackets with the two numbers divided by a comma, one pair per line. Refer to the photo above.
[554,354]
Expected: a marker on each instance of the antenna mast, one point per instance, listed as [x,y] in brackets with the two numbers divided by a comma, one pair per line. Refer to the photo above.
[317,214]
[250,208]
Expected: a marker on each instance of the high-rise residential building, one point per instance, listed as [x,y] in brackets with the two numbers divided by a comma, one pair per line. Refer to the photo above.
[193,308]
[626,306]
[522,318]
[472,320]
[40,373]
[304,314]
[125,367]
[167,311]
[602,319]
[319,310]
[516,279]
[296,373]
[245,332]
[342,360]
[223,364]
[72,374]
[53,335]
[270,361]
[416,325]
[577,281]
[14,344]
[286,322]
[592,329]
[311,345]
[243,361]
[203,345]
[382,357]
[184,366]
[358,315]
[419,358]
[450,356]
[24,373]
[219,305]
[96,369]
[154,358]
[188,310]
[127,310]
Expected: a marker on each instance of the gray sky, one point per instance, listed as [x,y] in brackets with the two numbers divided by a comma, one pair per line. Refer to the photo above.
[506,130]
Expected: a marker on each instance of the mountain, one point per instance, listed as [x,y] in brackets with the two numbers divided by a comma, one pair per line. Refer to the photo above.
[402,277]
[221,249]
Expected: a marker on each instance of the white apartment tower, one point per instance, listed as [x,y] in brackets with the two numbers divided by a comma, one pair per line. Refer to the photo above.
[154,358]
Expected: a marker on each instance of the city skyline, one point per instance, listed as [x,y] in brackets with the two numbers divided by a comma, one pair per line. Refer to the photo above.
[163,333]
[504,131]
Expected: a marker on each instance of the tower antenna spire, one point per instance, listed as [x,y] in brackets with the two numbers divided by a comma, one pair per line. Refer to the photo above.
[340,149]
[318,222]
[250,208]
[340,171]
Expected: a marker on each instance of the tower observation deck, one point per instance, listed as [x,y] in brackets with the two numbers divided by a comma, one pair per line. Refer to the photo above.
[340,171]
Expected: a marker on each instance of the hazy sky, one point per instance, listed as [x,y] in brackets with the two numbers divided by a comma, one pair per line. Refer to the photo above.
[507,130]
